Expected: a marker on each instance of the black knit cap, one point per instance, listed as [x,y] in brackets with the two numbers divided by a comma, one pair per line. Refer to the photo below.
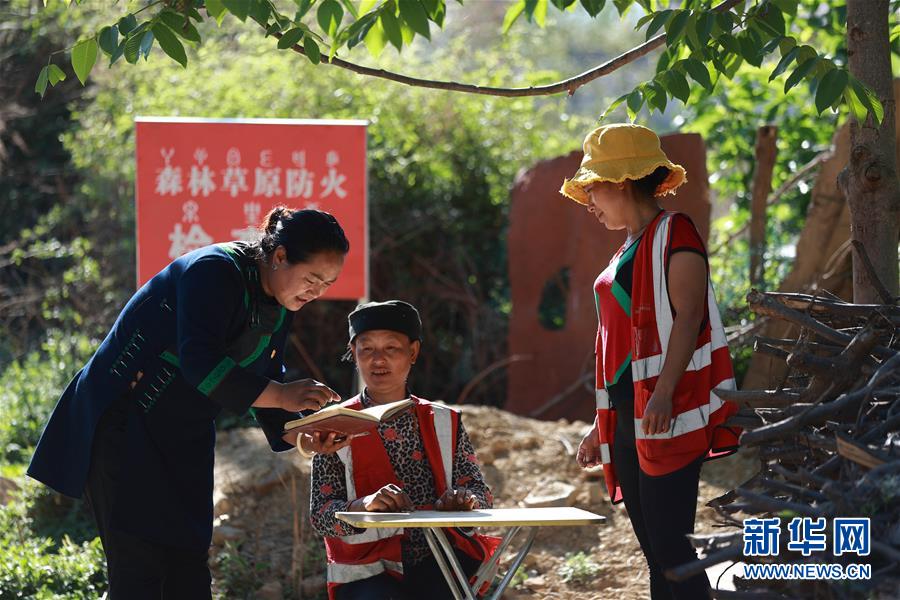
[393,315]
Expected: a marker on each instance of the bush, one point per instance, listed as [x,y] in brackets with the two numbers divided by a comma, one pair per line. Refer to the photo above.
[579,568]
[30,388]
[33,565]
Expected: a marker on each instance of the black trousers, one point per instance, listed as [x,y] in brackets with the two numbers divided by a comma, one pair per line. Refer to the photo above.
[662,511]
[138,569]
[423,580]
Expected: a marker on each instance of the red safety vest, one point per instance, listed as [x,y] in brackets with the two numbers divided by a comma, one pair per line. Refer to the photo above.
[368,468]
[698,413]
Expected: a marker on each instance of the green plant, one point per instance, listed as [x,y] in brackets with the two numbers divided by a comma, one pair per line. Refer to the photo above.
[578,568]
[238,577]
[35,565]
[29,389]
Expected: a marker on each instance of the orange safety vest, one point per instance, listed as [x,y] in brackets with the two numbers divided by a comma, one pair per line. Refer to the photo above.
[698,413]
[368,468]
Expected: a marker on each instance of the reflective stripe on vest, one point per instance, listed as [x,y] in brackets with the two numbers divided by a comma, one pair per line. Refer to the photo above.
[688,421]
[443,426]
[343,573]
[371,534]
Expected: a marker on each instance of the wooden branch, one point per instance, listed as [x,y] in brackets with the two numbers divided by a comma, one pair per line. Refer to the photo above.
[773,505]
[761,398]
[506,361]
[856,452]
[777,194]
[567,85]
[561,396]
[766,137]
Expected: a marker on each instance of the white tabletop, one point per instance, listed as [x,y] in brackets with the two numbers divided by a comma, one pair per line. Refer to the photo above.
[490,517]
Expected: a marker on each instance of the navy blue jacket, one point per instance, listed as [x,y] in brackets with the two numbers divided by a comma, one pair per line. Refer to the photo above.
[206,337]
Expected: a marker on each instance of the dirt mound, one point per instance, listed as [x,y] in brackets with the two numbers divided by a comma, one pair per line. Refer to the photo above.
[262,538]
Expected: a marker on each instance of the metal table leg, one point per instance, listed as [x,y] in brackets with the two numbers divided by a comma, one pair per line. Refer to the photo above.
[488,569]
[515,563]
[454,562]
[452,582]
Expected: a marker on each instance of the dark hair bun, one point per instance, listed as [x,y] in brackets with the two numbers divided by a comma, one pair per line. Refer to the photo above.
[302,233]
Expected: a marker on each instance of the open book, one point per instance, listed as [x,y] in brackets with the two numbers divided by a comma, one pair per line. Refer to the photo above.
[346,421]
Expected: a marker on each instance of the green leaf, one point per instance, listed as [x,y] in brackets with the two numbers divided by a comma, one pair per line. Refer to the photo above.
[180,25]
[357,32]
[785,62]
[414,14]
[698,72]
[725,21]
[613,106]
[622,6]
[705,22]
[303,7]
[656,96]
[750,50]
[169,43]
[729,43]
[117,54]
[329,15]
[290,37]
[127,24]
[432,7]
[40,86]
[239,8]
[364,6]
[350,8]
[540,13]
[375,39]
[312,50]
[677,85]
[260,11]
[392,29]
[109,39]
[216,10]
[133,46]
[512,14]
[857,107]
[869,101]
[675,27]
[799,73]
[56,75]
[593,7]
[84,55]
[658,21]
[773,18]
[633,103]
[831,87]
[146,44]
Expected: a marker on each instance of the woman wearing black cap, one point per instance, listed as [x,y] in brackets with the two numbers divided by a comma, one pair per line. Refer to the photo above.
[135,429]
[421,460]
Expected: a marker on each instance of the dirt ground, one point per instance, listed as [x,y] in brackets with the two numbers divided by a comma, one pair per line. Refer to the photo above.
[263,547]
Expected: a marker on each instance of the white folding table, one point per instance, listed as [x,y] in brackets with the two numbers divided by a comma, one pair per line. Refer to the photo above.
[516,519]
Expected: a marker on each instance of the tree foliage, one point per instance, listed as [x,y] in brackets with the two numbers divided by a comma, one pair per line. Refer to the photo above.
[703,42]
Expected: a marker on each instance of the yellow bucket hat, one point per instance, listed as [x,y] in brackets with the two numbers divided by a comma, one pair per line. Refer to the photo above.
[618,152]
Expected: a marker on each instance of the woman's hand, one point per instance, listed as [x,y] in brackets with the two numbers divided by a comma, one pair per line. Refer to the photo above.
[658,414]
[323,443]
[456,499]
[305,394]
[588,454]
[389,498]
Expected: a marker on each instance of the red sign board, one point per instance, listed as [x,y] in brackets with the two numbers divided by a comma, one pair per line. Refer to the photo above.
[203,181]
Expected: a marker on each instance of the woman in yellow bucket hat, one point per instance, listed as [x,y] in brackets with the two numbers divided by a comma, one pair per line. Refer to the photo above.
[661,351]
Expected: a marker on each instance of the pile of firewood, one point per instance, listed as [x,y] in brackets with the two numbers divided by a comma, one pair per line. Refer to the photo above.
[828,439]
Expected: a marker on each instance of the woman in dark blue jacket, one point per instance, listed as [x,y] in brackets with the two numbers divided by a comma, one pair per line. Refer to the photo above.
[134,431]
